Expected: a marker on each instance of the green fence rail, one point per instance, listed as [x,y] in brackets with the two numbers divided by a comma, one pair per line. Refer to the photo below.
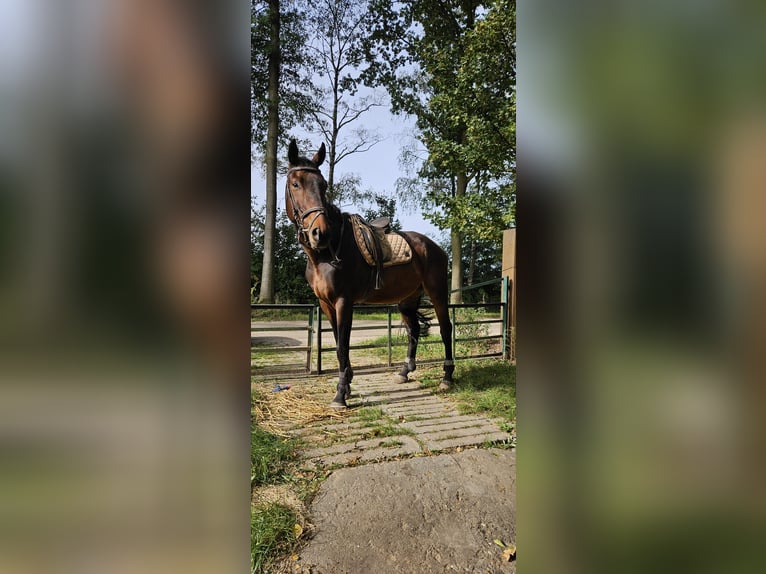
[317,327]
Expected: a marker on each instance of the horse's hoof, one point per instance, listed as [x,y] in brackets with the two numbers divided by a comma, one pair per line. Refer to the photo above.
[444,386]
[399,379]
[338,406]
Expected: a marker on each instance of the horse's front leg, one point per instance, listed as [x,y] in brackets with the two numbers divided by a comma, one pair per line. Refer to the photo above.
[329,312]
[344,314]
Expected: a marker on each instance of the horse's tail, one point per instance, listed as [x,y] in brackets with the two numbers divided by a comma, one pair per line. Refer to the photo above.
[424,319]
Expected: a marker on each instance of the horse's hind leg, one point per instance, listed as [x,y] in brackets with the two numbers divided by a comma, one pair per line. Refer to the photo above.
[409,311]
[445,328]
[439,298]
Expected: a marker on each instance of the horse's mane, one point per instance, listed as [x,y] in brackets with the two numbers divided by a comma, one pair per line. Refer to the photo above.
[333,211]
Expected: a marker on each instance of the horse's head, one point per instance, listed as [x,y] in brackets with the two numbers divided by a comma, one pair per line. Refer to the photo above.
[305,197]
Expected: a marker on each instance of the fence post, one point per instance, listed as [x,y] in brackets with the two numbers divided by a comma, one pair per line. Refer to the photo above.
[454,334]
[509,271]
[389,337]
[506,315]
[319,339]
[310,340]
[512,317]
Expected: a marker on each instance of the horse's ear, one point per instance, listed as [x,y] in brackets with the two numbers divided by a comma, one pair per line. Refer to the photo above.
[292,153]
[319,156]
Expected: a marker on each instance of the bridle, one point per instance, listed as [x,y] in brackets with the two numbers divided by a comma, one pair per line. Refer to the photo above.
[299,216]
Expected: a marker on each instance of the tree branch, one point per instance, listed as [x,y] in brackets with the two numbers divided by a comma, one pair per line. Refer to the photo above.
[360,147]
[356,113]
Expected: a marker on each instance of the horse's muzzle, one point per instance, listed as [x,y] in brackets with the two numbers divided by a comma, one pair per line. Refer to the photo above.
[318,239]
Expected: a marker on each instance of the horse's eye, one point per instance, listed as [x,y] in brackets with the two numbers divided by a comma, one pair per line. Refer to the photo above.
[295,184]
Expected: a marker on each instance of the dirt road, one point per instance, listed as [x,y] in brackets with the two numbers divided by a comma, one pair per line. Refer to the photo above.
[296,333]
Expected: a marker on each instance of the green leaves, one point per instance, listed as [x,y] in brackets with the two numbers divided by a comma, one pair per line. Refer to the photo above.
[297,93]
[458,78]
[290,260]
[480,214]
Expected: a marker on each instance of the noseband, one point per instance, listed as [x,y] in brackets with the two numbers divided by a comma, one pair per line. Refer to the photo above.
[298,215]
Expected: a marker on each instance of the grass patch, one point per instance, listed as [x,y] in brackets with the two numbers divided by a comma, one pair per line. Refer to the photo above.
[273,460]
[284,359]
[367,414]
[390,443]
[429,347]
[271,535]
[271,457]
[381,316]
[371,429]
[384,429]
[378,425]
[263,315]
[374,424]
[483,387]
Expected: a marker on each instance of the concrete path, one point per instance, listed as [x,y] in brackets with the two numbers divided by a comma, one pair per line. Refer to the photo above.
[423,512]
[406,494]
[416,516]
[420,422]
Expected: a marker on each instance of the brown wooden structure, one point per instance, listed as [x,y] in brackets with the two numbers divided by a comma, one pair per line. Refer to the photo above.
[509,270]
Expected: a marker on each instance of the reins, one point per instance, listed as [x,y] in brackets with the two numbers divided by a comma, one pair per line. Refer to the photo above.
[300,216]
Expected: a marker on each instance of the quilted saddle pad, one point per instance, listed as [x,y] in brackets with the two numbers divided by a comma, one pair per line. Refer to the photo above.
[395,249]
[400,250]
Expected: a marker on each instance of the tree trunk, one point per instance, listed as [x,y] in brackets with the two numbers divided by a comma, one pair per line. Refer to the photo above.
[267,275]
[331,172]
[457,267]
[333,152]
[471,264]
[457,248]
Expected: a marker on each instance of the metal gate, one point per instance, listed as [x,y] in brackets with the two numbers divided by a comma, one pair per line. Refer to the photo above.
[470,331]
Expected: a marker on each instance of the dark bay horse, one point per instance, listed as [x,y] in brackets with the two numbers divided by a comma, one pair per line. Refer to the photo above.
[341,278]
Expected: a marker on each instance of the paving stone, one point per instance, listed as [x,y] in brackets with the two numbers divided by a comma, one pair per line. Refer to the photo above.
[449,423]
[345,437]
[472,440]
[419,423]
[349,446]
[437,425]
[415,401]
[432,418]
[385,388]
[339,427]
[458,432]
[396,394]
[421,406]
[364,451]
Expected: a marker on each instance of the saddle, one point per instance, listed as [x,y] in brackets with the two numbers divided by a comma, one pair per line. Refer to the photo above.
[379,246]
